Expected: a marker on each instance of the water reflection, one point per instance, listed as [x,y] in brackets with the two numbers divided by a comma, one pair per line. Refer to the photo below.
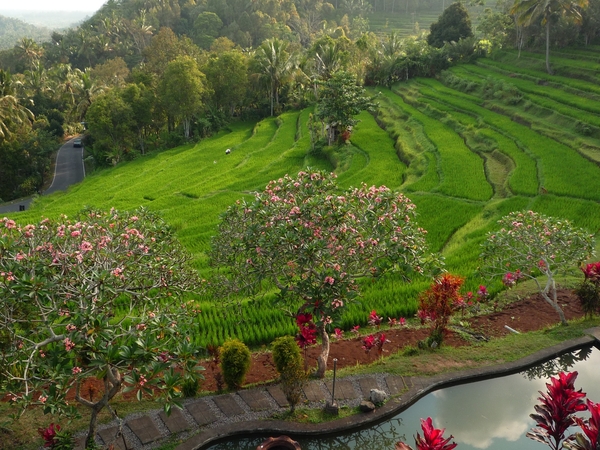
[491,414]
[561,364]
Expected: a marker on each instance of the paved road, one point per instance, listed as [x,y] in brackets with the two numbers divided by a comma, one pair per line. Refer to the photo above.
[69,170]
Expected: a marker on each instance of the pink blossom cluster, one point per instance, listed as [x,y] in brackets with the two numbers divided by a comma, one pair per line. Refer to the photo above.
[511,278]
[69,344]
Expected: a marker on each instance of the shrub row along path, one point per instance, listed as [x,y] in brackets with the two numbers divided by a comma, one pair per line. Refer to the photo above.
[206,419]
[69,170]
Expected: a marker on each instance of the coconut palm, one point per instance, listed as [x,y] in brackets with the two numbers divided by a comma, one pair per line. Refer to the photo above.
[528,11]
[274,64]
[84,92]
[11,110]
[29,52]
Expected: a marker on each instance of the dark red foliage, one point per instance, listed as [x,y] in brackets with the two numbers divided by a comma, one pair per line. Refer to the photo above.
[555,413]
[592,272]
[591,429]
[433,438]
[49,434]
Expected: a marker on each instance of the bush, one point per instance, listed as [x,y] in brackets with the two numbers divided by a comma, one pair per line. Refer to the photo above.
[235,363]
[190,387]
[288,361]
[286,354]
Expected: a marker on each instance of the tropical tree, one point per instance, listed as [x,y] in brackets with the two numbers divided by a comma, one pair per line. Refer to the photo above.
[227,76]
[182,90]
[110,121]
[93,298]
[84,91]
[28,52]
[274,64]
[528,11]
[12,112]
[531,245]
[453,25]
[340,100]
[311,242]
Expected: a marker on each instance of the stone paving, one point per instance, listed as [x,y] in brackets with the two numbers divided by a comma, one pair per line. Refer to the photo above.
[205,419]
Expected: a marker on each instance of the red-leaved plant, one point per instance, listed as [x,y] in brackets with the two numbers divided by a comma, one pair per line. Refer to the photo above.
[437,303]
[556,412]
[374,319]
[433,438]
[49,434]
[591,429]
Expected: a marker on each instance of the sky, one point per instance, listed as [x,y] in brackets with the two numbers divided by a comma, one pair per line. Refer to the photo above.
[52,5]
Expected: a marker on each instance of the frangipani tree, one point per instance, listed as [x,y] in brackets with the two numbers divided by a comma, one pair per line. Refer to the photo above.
[535,246]
[311,242]
[94,297]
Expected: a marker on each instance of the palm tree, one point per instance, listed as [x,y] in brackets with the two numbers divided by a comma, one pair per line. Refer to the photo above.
[11,110]
[527,11]
[274,65]
[29,52]
[84,92]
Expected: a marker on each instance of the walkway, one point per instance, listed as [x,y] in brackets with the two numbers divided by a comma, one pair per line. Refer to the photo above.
[204,420]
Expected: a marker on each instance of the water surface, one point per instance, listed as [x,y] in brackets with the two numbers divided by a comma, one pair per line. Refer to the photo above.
[491,414]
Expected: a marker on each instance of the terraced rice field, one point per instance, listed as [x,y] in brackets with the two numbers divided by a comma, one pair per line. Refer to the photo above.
[482,141]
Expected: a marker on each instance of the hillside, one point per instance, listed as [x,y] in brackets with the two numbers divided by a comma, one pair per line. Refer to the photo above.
[12,30]
[485,140]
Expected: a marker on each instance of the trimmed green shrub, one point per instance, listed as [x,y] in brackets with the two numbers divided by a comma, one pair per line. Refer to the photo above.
[288,361]
[235,362]
[286,354]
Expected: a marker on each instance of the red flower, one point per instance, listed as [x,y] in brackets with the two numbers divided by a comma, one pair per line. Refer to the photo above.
[307,336]
[303,319]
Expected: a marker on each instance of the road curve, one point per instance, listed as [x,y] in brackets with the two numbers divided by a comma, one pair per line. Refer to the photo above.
[69,170]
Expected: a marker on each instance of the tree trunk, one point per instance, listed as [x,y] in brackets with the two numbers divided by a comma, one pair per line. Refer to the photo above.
[141,141]
[551,286]
[272,95]
[548,69]
[322,359]
[90,440]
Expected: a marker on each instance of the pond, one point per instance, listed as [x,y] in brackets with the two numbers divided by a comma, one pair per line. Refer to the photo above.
[491,414]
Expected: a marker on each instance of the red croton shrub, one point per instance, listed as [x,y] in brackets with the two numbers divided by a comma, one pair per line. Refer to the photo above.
[437,303]
[432,439]
[556,413]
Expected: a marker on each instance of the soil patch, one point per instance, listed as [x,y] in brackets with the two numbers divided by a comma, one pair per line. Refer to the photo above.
[529,314]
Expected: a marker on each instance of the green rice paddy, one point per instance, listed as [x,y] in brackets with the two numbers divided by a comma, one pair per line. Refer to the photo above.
[465,159]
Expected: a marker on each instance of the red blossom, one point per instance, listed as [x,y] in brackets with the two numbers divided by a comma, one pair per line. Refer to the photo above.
[303,319]
[307,335]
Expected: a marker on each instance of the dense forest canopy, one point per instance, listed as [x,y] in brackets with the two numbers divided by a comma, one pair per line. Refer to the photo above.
[119,74]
